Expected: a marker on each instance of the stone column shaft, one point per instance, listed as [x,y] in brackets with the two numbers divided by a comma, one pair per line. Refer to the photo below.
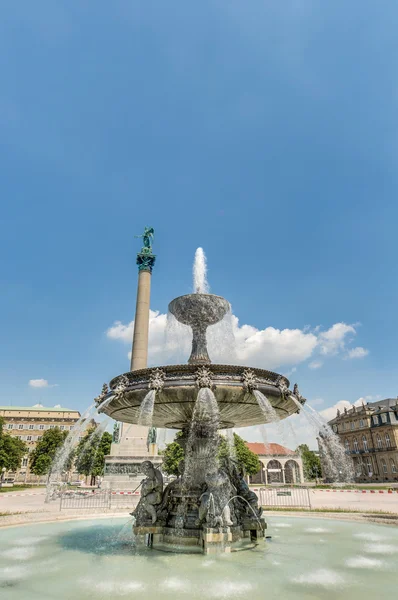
[139,353]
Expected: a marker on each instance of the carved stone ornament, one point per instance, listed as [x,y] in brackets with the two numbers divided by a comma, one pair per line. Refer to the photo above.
[203,377]
[282,387]
[249,380]
[104,392]
[122,385]
[156,380]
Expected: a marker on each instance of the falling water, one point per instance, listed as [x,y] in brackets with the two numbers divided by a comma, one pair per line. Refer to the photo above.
[221,342]
[200,284]
[231,443]
[263,432]
[270,414]
[178,340]
[92,442]
[338,466]
[202,442]
[266,406]
[161,438]
[146,409]
[63,453]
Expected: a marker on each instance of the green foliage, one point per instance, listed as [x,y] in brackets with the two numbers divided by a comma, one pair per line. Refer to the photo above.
[245,457]
[12,450]
[311,462]
[91,451]
[43,455]
[172,456]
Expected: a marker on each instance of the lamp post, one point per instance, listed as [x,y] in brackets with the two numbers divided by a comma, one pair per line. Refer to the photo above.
[3,473]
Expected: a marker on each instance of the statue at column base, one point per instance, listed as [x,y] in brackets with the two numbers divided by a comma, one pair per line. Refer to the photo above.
[151,495]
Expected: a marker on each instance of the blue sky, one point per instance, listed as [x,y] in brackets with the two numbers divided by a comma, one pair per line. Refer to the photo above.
[264,132]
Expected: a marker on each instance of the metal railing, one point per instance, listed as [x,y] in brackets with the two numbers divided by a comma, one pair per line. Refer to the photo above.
[79,500]
[97,499]
[285,497]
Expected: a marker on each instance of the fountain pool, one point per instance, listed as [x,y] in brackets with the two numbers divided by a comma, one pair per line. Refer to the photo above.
[307,558]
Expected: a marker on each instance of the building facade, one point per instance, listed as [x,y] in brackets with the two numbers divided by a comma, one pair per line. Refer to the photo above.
[279,465]
[28,423]
[369,434]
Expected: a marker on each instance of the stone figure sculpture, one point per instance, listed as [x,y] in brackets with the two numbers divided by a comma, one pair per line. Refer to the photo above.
[214,508]
[151,437]
[147,237]
[116,433]
[151,494]
[250,499]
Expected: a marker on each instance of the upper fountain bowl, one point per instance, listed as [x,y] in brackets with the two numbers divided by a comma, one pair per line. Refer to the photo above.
[199,310]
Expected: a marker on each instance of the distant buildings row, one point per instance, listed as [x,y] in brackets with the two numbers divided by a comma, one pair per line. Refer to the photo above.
[369,434]
[28,423]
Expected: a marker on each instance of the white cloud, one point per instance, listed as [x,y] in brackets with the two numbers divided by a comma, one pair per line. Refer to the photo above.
[334,339]
[40,383]
[317,401]
[315,364]
[229,342]
[331,412]
[357,352]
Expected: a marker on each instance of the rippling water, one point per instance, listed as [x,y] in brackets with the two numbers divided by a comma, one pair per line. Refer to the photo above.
[306,559]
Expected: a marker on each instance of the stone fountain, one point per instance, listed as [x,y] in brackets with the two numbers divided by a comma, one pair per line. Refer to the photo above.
[209,507]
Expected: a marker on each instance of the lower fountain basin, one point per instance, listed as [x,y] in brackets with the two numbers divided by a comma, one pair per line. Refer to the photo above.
[306,558]
[177,389]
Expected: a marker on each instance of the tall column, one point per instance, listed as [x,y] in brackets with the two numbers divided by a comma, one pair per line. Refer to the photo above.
[139,352]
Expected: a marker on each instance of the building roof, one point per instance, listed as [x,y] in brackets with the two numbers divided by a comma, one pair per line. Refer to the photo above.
[269,449]
[372,408]
[39,407]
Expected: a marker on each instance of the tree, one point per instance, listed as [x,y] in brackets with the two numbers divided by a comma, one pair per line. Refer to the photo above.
[245,457]
[174,453]
[172,456]
[91,452]
[43,455]
[12,450]
[311,462]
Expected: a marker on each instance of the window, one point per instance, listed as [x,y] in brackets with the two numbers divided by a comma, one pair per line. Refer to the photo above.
[347,445]
[29,438]
[393,466]
[10,426]
[39,437]
[71,427]
[41,426]
[369,466]
[365,443]
[19,437]
[334,428]
[24,462]
[62,427]
[361,424]
[355,442]
[388,441]
[52,426]
[20,426]
[31,426]
[375,420]
[384,418]
[379,441]
[384,465]
[352,424]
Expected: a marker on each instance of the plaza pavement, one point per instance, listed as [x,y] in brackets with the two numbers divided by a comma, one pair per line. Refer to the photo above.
[30,506]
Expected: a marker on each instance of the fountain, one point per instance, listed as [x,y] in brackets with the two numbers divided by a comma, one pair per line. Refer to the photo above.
[209,508]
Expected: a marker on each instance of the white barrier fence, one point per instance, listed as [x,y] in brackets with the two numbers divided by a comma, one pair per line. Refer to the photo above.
[285,497]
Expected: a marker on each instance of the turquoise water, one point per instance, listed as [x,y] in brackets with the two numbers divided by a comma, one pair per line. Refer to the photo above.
[306,559]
